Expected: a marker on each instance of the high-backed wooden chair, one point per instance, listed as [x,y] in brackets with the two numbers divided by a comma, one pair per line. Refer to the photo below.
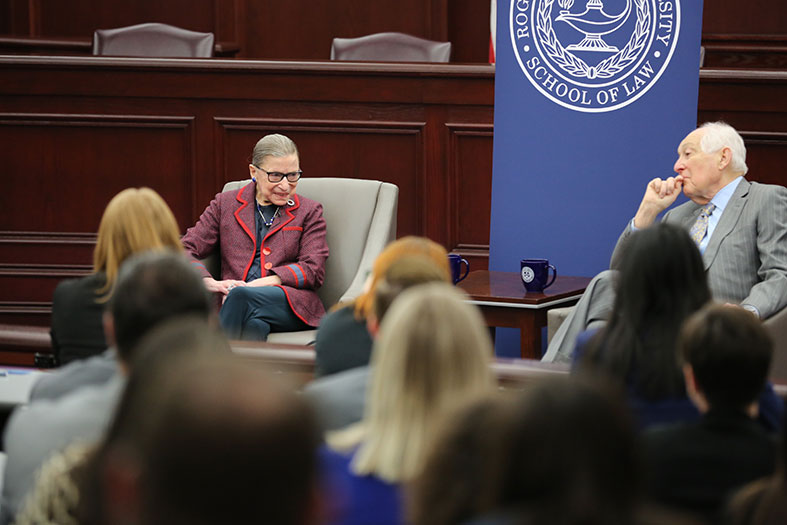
[390,47]
[152,40]
[360,216]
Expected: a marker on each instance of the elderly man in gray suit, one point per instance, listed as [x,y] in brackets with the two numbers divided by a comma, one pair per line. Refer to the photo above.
[739,226]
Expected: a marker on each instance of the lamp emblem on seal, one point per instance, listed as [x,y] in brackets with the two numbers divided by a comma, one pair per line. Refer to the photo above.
[596,57]
[593,22]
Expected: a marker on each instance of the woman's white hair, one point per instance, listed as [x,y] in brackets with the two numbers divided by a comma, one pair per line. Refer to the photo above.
[433,351]
[720,135]
[274,145]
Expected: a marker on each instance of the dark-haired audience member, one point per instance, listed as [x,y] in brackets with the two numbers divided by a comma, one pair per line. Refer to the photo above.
[563,452]
[343,339]
[136,220]
[660,284]
[150,289]
[340,398]
[433,351]
[210,440]
[695,466]
[66,476]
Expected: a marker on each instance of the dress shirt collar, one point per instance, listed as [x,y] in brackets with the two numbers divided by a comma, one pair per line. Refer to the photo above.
[724,195]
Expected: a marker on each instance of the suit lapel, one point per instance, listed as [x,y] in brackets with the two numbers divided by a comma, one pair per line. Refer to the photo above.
[729,218]
[286,217]
[692,212]
[245,213]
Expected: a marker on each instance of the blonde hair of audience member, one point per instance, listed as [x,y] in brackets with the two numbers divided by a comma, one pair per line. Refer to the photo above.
[433,351]
[135,220]
[406,246]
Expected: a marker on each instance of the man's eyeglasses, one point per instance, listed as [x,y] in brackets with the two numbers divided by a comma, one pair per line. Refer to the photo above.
[276,176]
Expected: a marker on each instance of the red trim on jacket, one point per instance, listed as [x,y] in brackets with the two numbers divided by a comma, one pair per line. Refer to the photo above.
[246,228]
[299,316]
[290,217]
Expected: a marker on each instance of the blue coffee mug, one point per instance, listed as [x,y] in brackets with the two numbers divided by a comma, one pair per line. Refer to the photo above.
[455,262]
[535,274]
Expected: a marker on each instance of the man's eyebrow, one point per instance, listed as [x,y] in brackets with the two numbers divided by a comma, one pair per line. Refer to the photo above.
[685,145]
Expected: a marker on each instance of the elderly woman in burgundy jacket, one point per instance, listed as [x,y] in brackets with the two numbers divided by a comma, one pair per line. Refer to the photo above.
[272,245]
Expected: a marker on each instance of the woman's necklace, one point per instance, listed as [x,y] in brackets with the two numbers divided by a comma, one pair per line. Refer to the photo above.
[267,223]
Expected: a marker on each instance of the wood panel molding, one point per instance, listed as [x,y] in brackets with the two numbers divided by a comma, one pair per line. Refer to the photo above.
[45,270]
[25,248]
[466,204]
[745,51]
[26,312]
[68,144]
[769,138]
[337,82]
[32,237]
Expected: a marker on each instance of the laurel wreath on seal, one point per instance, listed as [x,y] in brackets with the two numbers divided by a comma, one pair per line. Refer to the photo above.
[577,67]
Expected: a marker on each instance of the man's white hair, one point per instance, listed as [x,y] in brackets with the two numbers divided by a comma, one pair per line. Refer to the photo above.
[719,135]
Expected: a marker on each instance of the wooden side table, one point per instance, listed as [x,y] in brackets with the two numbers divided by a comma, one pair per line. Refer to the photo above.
[504,302]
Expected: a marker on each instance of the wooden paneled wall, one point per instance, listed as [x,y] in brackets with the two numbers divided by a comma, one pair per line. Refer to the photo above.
[76,130]
[755,103]
[751,34]
[749,19]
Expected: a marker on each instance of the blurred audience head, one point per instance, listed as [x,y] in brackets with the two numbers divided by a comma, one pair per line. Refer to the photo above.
[662,281]
[404,247]
[202,437]
[402,274]
[135,220]
[727,355]
[433,350]
[562,452]
[151,288]
[763,502]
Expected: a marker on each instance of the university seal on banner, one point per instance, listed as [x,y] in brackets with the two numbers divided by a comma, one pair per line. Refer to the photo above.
[597,55]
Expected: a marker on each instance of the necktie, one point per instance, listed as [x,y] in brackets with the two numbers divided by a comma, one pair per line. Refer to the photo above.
[700,227]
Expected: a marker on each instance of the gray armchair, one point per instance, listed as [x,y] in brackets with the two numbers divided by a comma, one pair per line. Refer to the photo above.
[361,219]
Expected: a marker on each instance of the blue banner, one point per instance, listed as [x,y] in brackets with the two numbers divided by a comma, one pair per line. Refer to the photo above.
[592,98]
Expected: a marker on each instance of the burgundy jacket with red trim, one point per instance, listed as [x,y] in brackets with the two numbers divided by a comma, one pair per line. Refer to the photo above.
[294,248]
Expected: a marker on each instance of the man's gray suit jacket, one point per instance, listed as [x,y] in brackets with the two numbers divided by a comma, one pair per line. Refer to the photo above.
[746,257]
[745,260]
